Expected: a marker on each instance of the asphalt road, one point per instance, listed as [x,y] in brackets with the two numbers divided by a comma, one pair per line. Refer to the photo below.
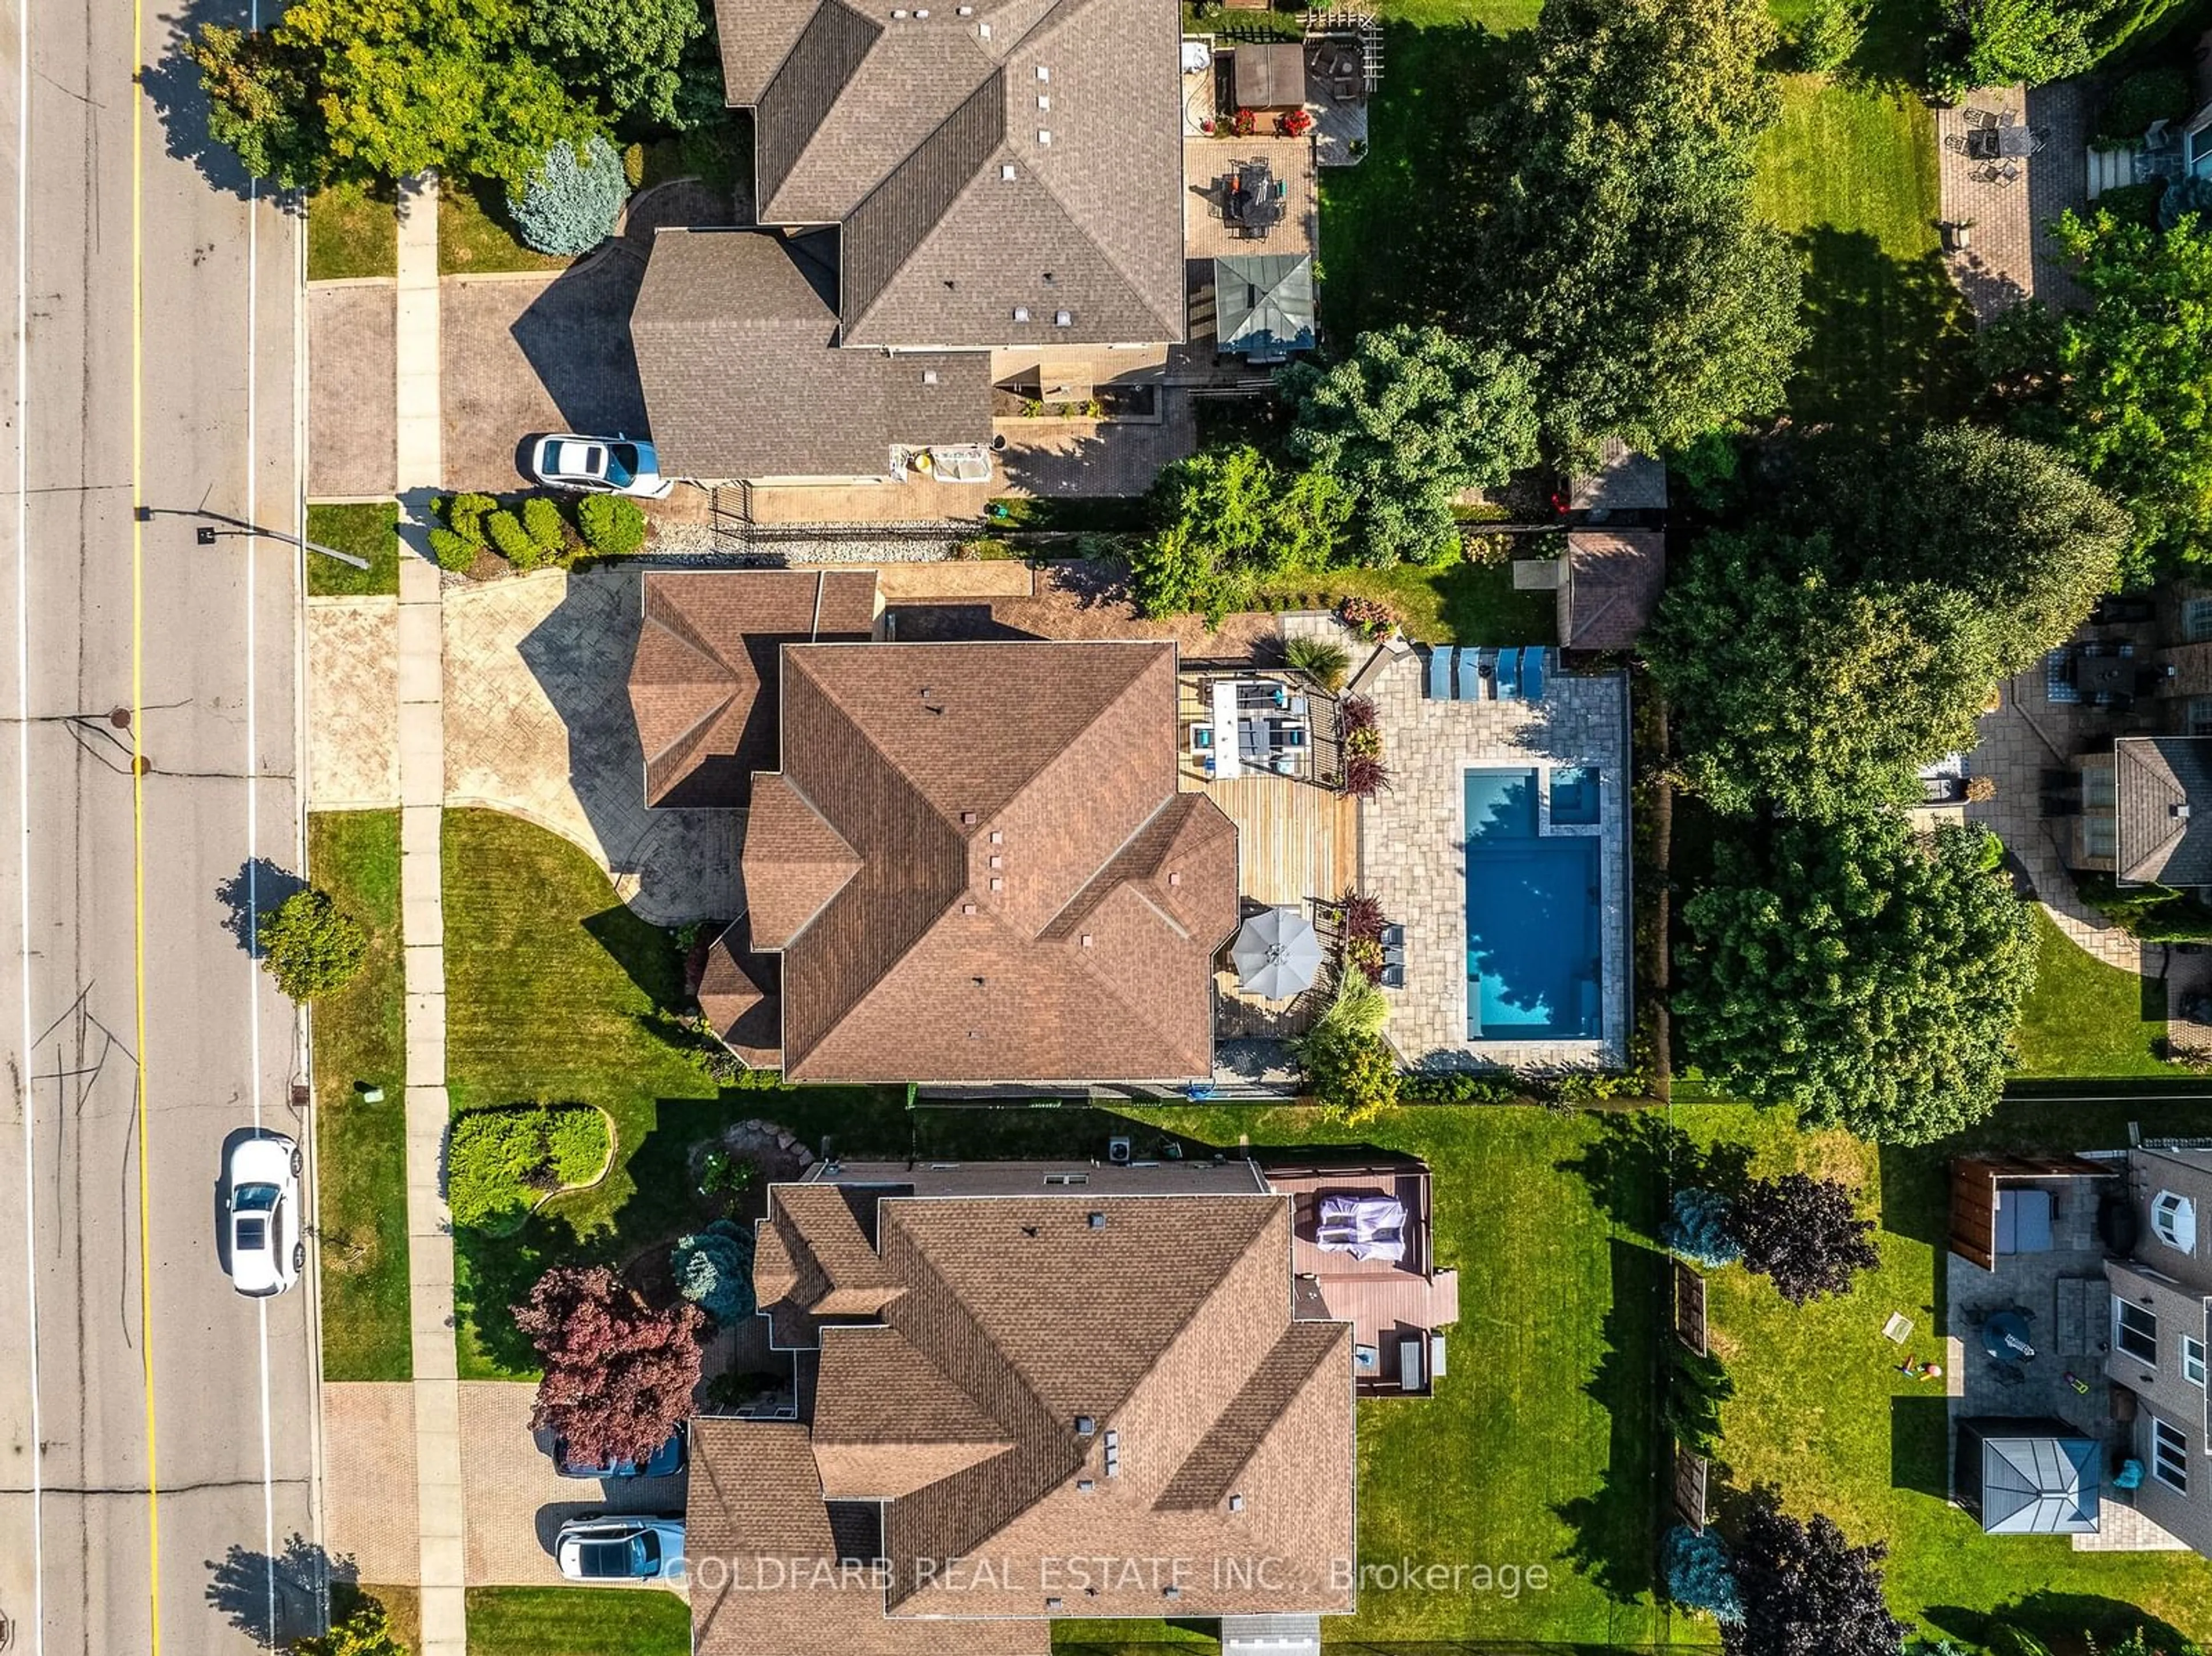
[157,1446]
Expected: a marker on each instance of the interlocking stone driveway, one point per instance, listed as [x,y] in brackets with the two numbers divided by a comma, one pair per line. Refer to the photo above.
[538,724]
[353,703]
[515,1500]
[352,420]
[369,1479]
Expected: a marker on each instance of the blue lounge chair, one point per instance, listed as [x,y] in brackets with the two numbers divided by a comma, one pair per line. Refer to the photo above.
[1470,675]
[1509,674]
[1532,675]
[1440,673]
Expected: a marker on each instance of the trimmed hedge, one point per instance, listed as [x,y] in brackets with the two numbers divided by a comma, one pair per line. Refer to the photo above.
[499,1162]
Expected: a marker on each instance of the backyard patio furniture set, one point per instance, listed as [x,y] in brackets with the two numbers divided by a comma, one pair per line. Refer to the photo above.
[1995,139]
[1253,200]
[1471,674]
[2101,675]
[1258,728]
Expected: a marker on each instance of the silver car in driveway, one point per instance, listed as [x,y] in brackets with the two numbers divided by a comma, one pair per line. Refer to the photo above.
[635,1547]
[261,1213]
[602,465]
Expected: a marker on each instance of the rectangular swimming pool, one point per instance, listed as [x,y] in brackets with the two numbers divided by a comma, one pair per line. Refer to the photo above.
[1535,958]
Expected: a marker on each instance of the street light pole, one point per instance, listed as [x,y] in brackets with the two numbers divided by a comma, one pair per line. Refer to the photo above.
[206,534]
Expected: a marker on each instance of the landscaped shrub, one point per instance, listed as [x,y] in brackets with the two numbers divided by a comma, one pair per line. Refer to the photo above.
[2148,913]
[1691,1408]
[1323,660]
[513,542]
[1359,913]
[1358,1008]
[543,522]
[1698,1228]
[2144,98]
[499,1162]
[464,514]
[453,551]
[1370,616]
[571,200]
[1699,1574]
[722,1175]
[713,1270]
[1454,1087]
[1828,37]
[611,527]
[1352,1076]
[1365,775]
[310,946]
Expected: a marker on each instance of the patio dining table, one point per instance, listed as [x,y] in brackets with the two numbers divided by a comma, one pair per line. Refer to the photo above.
[2004,1336]
[1989,144]
[2104,674]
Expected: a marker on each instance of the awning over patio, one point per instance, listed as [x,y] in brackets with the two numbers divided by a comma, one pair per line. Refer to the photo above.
[2029,1477]
[1278,955]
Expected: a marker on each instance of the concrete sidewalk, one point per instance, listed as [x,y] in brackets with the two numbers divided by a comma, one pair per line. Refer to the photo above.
[421,639]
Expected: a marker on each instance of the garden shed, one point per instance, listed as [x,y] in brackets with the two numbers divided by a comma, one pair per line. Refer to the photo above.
[1992,1196]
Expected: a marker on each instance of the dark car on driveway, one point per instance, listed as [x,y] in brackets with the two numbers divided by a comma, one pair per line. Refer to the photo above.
[665,1462]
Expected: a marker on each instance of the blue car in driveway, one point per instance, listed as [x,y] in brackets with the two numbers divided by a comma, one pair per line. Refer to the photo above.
[665,1462]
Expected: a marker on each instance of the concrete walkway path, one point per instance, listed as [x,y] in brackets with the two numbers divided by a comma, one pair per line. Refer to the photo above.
[421,795]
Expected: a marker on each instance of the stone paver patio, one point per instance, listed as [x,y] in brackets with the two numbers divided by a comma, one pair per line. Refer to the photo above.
[1413,849]
[2011,256]
[538,724]
[353,703]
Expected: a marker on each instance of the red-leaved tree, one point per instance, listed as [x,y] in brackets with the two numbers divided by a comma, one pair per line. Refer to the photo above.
[618,1373]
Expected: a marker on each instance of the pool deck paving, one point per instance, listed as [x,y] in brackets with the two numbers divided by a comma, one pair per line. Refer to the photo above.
[1412,850]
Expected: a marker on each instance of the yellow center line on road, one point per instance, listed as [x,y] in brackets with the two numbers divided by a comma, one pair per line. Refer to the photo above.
[138,798]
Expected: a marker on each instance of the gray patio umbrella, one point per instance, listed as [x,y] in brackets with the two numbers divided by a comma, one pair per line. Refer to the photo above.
[1277,953]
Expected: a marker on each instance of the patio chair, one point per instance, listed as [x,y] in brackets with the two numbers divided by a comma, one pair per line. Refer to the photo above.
[1978,118]
[1440,673]
[1394,977]
[1955,142]
[1985,174]
[2006,116]
[2009,173]
[1393,935]
[1509,674]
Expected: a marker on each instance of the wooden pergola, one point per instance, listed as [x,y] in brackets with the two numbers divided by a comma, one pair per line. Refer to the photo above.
[1975,1181]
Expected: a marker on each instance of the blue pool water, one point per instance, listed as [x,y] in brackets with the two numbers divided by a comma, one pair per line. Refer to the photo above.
[1574,796]
[1534,953]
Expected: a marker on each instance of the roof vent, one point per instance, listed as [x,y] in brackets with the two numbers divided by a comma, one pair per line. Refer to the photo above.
[1006,170]
[968,819]
[1174,879]
[1085,1486]
[929,376]
[1086,940]
[1086,1425]
[1096,1221]
[967,909]
[978,982]
[2181,812]
[984,30]
[1043,74]
[1170,1590]
[1063,319]
[1044,138]
[998,837]
[1021,312]
[898,11]
[1236,1503]
[997,884]
[1051,1604]
[923,12]
[1043,102]
[964,11]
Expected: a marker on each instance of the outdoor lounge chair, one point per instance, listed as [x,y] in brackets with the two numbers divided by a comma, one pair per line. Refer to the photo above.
[1470,675]
[1440,673]
[1532,675]
[1509,674]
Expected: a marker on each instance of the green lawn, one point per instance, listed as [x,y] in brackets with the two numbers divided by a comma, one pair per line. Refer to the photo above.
[367,530]
[1541,1446]
[2087,1018]
[352,231]
[577,1621]
[1464,603]
[1820,1412]
[361,1148]
[476,235]
[1850,173]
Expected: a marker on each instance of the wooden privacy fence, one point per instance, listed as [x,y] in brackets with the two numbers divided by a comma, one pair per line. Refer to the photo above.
[1690,1308]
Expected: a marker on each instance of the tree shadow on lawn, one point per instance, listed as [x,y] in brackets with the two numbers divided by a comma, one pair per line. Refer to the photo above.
[1616,1539]
[1890,348]
[1637,1161]
[2060,1620]
[649,954]
[1920,1445]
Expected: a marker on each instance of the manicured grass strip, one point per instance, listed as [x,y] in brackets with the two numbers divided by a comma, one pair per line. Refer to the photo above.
[352,231]
[367,530]
[475,233]
[361,1160]
[1820,1411]
[577,1621]
[1458,603]
[1541,1447]
[2085,1018]
[1849,172]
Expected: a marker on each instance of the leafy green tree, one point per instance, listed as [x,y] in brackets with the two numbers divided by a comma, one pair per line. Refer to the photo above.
[2121,389]
[1411,418]
[363,89]
[1997,42]
[1790,685]
[1865,977]
[1351,1074]
[1232,519]
[1612,235]
[631,52]
[310,946]
[365,1631]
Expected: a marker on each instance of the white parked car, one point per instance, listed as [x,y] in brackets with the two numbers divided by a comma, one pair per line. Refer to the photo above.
[602,465]
[600,1547]
[261,1210]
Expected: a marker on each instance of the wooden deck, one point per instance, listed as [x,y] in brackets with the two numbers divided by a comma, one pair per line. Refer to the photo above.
[1385,1302]
[1296,842]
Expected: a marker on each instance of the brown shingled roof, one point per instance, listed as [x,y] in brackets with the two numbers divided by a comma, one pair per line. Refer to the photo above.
[2162,792]
[702,684]
[1167,1324]
[1034,899]
[1612,584]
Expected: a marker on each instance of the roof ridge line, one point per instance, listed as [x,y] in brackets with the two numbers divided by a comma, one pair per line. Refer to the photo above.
[996,77]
